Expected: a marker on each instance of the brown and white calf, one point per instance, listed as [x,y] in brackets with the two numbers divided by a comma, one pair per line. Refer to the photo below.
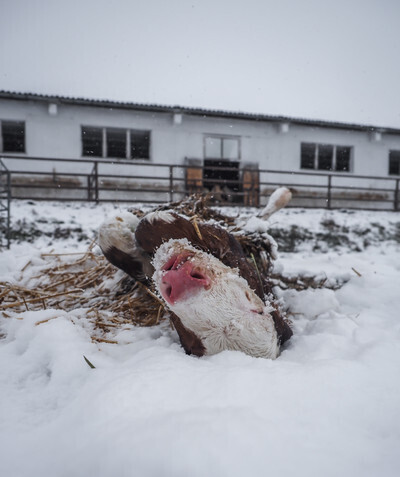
[218,299]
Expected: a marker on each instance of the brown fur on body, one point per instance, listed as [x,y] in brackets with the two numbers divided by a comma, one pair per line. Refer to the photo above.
[190,342]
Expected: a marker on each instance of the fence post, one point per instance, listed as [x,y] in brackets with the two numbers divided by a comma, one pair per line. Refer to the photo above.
[89,187]
[329,196]
[8,208]
[396,195]
[5,201]
[96,183]
[171,183]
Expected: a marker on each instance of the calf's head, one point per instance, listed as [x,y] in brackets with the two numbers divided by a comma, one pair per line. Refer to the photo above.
[213,301]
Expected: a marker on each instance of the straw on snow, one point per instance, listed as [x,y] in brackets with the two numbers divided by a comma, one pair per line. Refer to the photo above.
[88,283]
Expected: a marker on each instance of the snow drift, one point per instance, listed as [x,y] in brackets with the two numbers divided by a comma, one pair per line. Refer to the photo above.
[329,405]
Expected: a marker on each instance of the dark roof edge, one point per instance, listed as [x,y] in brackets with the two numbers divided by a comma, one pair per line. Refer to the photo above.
[195,111]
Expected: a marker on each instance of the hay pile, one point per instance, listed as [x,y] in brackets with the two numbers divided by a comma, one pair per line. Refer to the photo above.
[108,299]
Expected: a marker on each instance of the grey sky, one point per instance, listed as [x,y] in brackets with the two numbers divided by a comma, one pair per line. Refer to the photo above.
[332,60]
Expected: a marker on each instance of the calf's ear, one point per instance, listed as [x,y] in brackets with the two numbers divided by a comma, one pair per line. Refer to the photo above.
[117,241]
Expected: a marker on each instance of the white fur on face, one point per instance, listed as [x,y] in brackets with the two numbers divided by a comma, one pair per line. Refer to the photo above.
[228,315]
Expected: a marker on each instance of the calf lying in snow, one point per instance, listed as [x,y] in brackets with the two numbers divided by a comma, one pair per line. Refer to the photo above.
[218,299]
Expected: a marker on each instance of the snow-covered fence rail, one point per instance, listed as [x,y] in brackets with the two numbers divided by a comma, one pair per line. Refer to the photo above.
[231,183]
[5,198]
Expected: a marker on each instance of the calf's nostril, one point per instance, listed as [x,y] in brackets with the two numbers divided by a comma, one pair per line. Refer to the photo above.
[198,275]
[177,261]
[166,288]
[168,291]
[171,263]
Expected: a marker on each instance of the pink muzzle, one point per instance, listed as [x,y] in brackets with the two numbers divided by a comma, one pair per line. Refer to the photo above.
[182,279]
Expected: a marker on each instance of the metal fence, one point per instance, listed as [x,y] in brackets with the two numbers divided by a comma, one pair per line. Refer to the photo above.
[124,181]
[5,199]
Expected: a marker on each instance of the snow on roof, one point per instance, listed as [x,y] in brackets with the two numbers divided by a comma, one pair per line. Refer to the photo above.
[195,111]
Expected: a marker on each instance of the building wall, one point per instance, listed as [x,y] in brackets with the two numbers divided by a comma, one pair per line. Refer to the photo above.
[59,136]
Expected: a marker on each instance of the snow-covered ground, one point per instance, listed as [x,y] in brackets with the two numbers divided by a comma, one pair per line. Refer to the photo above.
[328,406]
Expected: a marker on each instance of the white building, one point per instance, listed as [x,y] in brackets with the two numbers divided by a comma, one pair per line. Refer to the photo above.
[141,140]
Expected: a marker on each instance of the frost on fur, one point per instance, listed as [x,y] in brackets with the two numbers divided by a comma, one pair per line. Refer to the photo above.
[161,215]
[118,231]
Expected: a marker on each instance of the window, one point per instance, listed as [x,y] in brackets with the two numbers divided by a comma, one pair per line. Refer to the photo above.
[140,144]
[394,163]
[222,148]
[115,143]
[230,149]
[92,142]
[213,147]
[307,156]
[13,136]
[325,157]
[343,158]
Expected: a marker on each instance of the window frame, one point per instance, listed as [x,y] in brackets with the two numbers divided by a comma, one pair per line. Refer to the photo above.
[222,137]
[316,159]
[129,132]
[12,121]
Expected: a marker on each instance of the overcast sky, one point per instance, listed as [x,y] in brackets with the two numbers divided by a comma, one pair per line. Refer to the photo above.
[333,59]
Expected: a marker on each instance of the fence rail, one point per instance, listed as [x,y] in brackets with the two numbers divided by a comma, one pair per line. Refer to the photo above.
[104,180]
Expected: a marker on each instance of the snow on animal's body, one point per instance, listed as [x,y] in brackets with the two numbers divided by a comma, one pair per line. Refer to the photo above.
[217,297]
